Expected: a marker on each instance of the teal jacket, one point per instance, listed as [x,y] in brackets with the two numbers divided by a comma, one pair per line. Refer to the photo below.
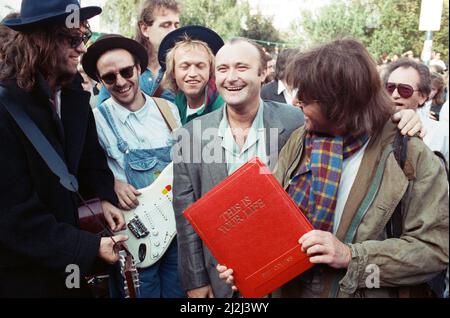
[181,102]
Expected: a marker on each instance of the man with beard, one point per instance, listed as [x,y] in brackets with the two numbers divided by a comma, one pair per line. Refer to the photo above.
[341,171]
[39,234]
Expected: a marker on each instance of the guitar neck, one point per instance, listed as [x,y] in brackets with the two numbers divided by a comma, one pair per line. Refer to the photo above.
[130,275]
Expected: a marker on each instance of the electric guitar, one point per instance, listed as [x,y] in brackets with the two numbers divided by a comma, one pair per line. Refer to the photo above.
[92,220]
[151,226]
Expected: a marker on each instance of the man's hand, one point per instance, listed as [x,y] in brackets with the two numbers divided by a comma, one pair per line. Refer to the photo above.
[324,248]
[202,292]
[109,251]
[226,274]
[409,122]
[113,216]
[126,194]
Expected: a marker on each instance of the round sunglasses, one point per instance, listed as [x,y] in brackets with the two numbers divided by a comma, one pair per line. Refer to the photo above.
[111,78]
[404,90]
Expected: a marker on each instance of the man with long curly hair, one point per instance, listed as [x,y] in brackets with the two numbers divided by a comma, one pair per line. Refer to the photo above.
[39,233]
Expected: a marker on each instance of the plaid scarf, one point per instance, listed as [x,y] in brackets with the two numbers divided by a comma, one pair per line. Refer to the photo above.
[314,188]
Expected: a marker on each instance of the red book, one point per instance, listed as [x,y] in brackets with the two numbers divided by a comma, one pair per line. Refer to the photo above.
[250,224]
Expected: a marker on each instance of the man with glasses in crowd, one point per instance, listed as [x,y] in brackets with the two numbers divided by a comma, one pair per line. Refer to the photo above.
[157,18]
[341,170]
[39,234]
[136,135]
[409,84]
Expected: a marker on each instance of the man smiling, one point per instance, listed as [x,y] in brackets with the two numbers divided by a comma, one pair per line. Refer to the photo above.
[135,132]
[187,54]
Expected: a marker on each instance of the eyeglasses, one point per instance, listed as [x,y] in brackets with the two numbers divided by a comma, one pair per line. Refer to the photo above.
[404,90]
[111,78]
[75,40]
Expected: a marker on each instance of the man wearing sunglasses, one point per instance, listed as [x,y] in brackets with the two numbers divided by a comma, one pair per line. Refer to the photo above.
[39,226]
[138,141]
[341,170]
[409,84]
[156,19]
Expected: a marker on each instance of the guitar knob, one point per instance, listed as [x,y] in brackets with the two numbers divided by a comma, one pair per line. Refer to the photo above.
[155,232]
[155,254]
[156,244]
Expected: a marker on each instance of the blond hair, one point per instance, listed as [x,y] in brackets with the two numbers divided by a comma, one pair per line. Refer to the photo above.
[187,43]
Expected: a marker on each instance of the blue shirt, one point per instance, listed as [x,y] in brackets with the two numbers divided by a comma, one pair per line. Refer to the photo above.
[142,129]
[148,85]
[255,144]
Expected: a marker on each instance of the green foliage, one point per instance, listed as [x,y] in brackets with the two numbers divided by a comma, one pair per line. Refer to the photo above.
[223,16]
[121,16]
[261,28]
[384,26]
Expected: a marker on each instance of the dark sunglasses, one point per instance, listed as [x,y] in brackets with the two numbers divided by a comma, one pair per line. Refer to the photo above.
[75,40]
[404,90]
[126,72]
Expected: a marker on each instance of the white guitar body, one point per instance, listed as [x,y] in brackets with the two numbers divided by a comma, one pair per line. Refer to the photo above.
[151,226]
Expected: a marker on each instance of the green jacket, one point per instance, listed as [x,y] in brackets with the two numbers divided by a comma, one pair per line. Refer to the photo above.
[181,102]
[416,257]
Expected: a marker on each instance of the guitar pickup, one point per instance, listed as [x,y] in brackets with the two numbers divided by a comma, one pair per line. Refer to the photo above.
[138,228]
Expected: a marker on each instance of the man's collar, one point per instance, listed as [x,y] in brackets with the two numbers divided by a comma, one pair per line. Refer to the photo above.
[258,121]
[122,112]
[281,87]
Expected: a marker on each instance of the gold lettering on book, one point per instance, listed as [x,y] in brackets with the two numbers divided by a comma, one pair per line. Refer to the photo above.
[238,213]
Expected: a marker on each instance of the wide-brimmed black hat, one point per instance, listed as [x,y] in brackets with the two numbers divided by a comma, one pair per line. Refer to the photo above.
[35,13]
[194,32]
[110,42]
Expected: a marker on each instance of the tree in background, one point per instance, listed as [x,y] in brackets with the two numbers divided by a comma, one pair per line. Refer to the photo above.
[384,26]
[121,16]
[223,16]
[261,29]
[230,18]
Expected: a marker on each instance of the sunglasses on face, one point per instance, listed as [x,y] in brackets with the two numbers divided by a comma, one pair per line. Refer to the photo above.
[76,40]
[404,90]
[111,78]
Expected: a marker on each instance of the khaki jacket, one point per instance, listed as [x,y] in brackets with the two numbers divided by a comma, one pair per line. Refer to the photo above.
[416,257]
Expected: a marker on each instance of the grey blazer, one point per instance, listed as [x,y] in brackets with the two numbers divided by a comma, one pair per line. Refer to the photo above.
[194,178]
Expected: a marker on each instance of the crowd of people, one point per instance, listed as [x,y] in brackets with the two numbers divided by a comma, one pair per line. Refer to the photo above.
[110,125]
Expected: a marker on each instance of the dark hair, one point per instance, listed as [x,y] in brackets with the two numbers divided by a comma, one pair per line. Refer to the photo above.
[424,85]
[146,17]
[259,48]
[342,77]
[7,34]
[282,60]
[438,81]
[136,62]
[32,52]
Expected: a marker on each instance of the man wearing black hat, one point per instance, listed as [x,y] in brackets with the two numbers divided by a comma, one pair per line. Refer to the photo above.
[39,234]
[135,131]
[155,20]
[187,56]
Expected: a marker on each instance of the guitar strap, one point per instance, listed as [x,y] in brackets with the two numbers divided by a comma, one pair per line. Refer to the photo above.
[43,147]
[166,112]
[39,142]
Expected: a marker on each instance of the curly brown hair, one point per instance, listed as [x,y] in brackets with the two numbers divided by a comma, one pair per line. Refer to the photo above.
[30,53]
